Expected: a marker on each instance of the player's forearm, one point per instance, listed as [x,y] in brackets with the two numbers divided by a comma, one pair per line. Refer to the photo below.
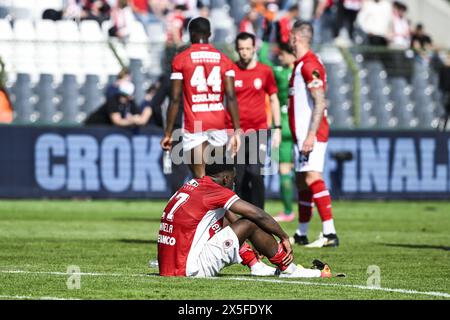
[172,112]
[319,109]
[232,103]
[269,225]
[275,106]
[118,121]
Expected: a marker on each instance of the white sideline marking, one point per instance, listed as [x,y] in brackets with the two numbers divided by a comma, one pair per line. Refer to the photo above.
[405,291]
[34,298]
[306,283]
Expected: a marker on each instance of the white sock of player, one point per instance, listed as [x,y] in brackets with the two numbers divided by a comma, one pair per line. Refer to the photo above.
[302,229]
[328,227]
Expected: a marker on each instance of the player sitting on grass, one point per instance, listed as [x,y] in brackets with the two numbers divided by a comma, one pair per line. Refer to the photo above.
[192,241]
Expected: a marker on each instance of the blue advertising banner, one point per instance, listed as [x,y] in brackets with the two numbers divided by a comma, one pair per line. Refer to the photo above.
[60,162]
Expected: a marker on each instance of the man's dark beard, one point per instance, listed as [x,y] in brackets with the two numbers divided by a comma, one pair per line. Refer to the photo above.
[244,64]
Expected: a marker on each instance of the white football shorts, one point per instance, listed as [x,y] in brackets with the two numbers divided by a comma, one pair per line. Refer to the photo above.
[220,251]
[216,138]
[316,159]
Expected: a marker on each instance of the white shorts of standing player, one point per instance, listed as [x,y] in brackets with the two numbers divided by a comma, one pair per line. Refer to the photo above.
[216,138]
[220,251]
[316,160]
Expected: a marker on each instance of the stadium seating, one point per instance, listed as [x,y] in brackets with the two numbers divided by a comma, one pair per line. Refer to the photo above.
[42,55]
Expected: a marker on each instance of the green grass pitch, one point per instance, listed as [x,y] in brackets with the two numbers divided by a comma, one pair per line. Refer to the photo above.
[113,241]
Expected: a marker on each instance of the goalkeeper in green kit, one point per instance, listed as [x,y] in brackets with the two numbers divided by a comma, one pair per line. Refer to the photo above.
[282,74]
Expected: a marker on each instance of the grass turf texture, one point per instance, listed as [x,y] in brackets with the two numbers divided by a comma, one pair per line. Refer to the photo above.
[409,241]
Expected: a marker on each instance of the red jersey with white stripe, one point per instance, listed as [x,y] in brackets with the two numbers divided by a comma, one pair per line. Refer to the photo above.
[203,70]
[252,86]
[309,74]
[192,216]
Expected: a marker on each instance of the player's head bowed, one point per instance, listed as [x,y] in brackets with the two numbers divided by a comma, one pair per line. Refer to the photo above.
[221,173]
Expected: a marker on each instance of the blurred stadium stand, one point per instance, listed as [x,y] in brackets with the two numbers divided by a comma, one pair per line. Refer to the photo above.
[57,70]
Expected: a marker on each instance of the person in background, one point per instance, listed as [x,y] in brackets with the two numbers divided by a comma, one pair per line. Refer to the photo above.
[97,10]
[375,20]
[6,110]
[420,41]
[250,21]
[253,82]
[112,89]
[175,25]
[310,130]
[282,75]
[346,16]
[141,11]
[120,110]
[284,24]
[122,17]
[324,21]
[401,27]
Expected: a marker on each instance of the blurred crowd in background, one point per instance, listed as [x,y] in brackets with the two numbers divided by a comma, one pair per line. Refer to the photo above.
[371,22]
[342,23]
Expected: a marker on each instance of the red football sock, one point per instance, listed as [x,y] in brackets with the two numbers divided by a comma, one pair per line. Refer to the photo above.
[278,258]
[248,255]
[305,206]
[322,199]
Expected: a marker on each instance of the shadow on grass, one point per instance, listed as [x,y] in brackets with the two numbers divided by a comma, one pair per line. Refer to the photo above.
[138,241]
[137,219]
[417,246]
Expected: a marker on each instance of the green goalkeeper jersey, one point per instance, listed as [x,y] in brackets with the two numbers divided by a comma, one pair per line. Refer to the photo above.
[282,76]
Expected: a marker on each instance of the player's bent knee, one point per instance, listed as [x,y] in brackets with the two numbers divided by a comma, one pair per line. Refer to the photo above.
[243,228]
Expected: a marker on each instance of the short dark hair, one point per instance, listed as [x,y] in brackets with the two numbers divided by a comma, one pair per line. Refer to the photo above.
[200,26]
[286,47]
[304,26]
[245,36]
[214,169]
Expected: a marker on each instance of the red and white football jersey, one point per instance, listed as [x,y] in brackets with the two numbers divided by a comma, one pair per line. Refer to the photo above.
[309,74]
[203,70]
[192,216]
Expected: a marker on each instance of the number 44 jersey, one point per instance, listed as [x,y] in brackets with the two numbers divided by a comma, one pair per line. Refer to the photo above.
[202,68]
[192,216]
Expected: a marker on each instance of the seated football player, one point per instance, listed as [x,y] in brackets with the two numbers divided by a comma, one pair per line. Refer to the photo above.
[193,242]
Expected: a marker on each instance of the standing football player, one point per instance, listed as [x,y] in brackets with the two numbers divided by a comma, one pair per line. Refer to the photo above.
[204,76]
[282,74]
[310,129]
[253,82]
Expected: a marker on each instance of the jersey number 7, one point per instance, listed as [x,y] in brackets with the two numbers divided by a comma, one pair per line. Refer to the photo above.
[201,83]
[182,198]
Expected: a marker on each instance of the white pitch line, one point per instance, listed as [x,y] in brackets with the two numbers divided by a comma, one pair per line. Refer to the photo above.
[306,283]
[34,298]
[404,291]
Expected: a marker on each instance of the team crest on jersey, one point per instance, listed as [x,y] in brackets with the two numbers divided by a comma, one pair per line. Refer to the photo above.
[227,244]
[257,83]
